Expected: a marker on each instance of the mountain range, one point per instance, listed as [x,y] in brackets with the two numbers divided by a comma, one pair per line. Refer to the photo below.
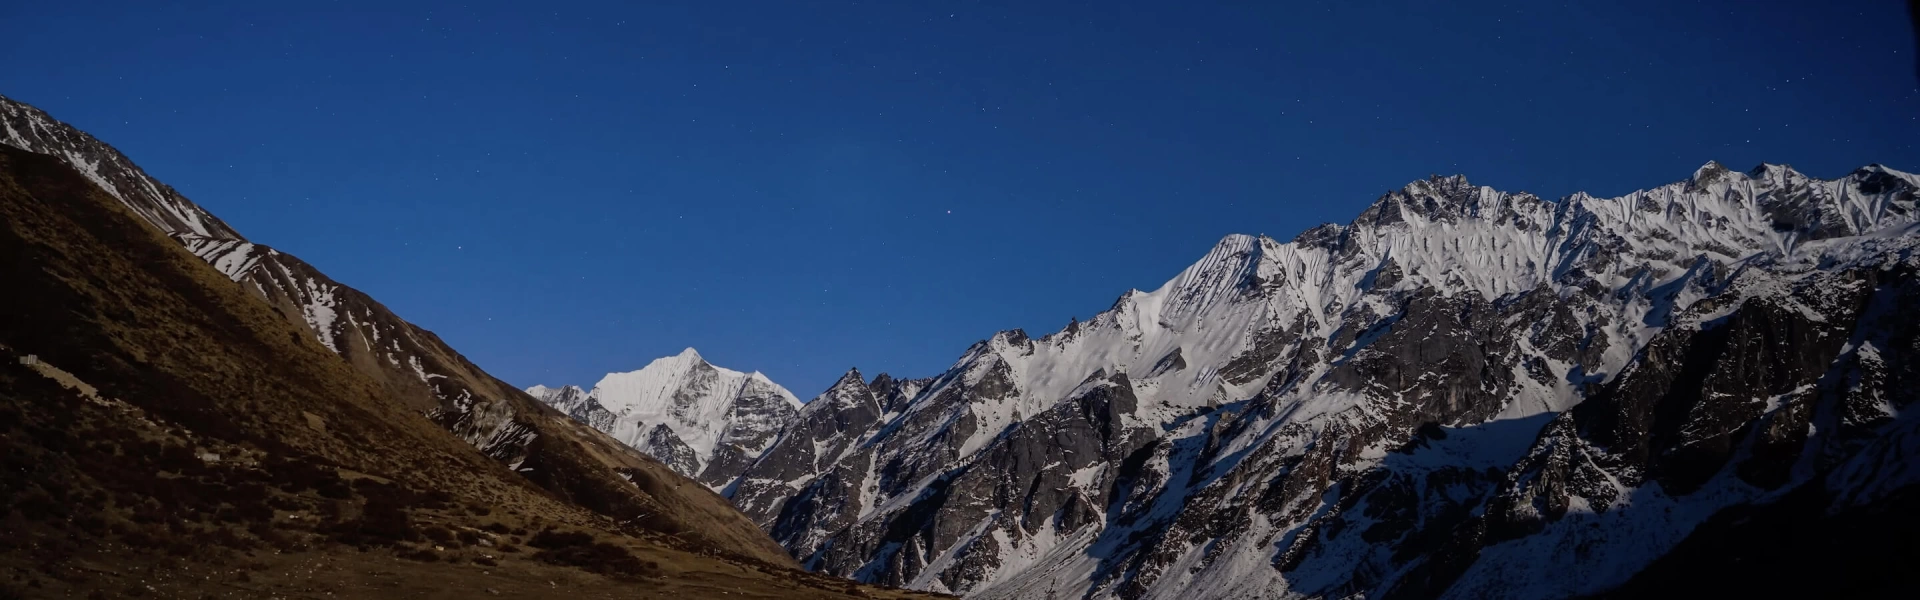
[1462,393]
[1703,387]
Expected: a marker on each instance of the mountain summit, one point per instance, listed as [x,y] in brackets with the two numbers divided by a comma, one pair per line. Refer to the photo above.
[703,421]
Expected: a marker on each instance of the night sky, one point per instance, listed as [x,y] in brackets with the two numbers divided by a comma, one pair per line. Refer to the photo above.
[562,189]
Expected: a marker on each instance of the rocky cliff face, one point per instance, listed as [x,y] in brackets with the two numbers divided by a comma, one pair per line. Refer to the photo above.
[1461,393]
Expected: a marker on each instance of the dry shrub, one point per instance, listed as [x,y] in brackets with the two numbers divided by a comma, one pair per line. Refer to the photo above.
[578,549]
[551,539]
[381,522]
[439,534]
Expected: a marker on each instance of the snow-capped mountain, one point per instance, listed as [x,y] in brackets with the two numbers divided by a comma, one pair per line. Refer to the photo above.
[1463,392]
[703,421]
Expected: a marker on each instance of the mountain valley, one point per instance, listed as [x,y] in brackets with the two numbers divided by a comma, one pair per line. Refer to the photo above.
[1699,387]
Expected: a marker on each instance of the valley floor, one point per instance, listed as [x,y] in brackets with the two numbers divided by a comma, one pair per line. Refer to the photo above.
[381,574]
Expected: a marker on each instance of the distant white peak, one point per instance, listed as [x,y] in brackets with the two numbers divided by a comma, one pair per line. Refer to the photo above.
[758,384]
[1128,299]
[684,392]
[844,391]
[541,391]
[668,374]
[1234,242]
[1436,184]
[760,377]
[1011,339]
[1324,235]
[1880,173]
[1710,172]
[850,378]
[1220,276]
[686,359]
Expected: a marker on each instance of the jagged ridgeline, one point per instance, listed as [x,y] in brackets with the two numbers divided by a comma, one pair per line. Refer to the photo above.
[1462,393]
[184,413]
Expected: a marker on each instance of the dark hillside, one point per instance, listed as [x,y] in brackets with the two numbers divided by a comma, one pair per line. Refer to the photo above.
[166,433]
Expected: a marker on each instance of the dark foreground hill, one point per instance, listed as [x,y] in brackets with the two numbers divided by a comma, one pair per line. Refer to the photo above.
[165,432]
[415,368]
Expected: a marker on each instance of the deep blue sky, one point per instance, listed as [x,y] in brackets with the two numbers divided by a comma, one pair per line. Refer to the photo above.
[563,189]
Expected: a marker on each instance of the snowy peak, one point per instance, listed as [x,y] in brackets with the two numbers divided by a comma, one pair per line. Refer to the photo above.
[1221,276]
[1011,340]
[683,410]
[851,390]
[667,367]
[1709,173]
[644,388]
[851,378]
[566,398]
[1776,174]
[1326,236]
[562,392]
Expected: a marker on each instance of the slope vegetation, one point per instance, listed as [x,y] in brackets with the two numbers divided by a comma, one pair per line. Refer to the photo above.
[413,365]
[167,431]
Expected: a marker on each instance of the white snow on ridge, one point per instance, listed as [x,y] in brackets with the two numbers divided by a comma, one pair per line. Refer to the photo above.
[1442,234]
[233,258]
[1652,252]
[684,392]
[319,312]
[30,129]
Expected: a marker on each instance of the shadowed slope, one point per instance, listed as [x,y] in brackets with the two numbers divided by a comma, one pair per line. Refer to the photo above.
[165,431]
[417,371]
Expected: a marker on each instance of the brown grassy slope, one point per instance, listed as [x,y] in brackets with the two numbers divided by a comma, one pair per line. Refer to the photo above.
[416,368]
[226,453]
[105,297]
[573,461]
